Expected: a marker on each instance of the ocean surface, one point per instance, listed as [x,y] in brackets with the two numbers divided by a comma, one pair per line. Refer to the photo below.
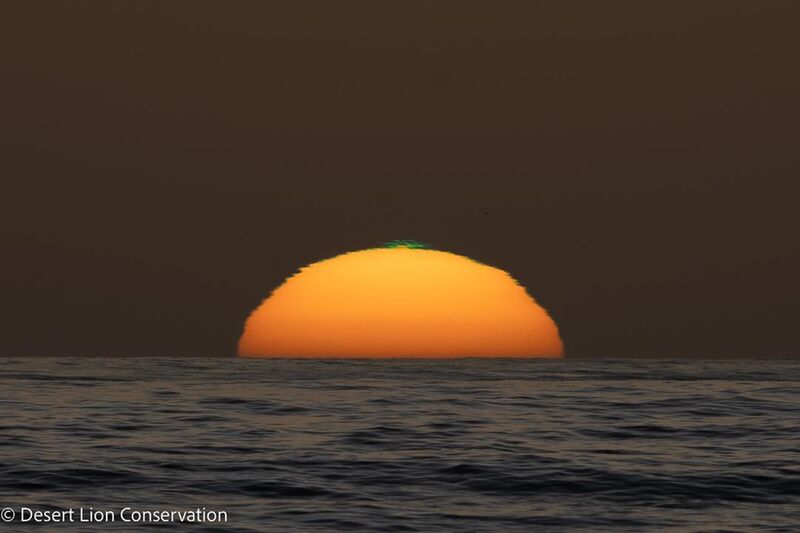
[394,445]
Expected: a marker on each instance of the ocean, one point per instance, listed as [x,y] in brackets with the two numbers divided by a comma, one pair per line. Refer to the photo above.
[220,444]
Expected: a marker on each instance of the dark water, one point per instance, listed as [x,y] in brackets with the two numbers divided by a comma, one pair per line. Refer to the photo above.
[469,445]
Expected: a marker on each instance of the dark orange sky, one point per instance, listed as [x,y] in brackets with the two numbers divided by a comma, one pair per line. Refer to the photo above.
[164,165]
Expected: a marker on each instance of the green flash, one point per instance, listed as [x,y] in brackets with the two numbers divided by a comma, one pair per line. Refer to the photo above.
[405,243]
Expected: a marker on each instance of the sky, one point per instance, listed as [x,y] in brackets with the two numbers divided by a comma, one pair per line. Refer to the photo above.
[165,165]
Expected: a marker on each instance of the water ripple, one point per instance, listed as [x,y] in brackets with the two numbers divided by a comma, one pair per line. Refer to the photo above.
[475,445]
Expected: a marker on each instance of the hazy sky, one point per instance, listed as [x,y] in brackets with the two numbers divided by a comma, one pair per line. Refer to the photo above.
[164,165]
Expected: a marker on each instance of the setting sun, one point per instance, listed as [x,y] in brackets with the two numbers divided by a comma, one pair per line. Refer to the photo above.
[400,301]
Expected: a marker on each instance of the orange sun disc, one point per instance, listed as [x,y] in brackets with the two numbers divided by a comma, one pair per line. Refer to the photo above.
[400,302]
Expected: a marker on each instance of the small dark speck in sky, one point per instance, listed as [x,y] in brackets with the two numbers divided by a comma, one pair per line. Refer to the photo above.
[441,80]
